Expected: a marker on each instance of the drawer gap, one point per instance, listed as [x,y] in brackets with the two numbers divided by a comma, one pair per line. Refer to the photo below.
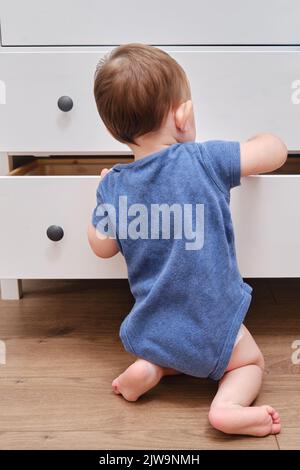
[71,166]
[68,166]
[291,166]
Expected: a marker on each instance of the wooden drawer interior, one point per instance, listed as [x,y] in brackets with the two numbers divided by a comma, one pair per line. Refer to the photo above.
[291,166]
[68,166]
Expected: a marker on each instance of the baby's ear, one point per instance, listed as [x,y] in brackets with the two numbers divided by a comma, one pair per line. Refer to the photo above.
[183,115]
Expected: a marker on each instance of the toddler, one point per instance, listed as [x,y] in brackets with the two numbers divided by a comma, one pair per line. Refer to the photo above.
[168,213]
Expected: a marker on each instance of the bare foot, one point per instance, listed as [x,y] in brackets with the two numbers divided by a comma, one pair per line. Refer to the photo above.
[140,377]
[251,420]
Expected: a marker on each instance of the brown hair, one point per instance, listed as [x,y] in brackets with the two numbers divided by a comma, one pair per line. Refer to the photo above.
[135,87]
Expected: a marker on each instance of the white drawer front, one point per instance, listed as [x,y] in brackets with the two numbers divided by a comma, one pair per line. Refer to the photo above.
[28,206]
[94,22]
[237,93]
[265,213]
[31,119]
[267,225]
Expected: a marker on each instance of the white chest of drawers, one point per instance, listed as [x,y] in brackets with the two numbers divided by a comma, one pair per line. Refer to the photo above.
[243,61]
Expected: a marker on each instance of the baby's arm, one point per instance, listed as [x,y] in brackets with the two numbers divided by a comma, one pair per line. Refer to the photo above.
[262,154]
[102,246]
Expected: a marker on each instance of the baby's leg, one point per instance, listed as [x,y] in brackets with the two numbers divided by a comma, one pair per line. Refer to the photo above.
[138,378]
[230,411]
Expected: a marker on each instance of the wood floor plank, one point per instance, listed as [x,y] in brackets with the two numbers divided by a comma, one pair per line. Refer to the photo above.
[145,438]
[83,413]
[284,390]
[289,438]
[73,356]
[64,357]
[69,404]
[63,350]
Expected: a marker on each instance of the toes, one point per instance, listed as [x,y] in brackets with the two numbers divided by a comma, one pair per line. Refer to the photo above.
[276,417]
[121,391]
[130,397]
[270,410]
[115,387]
[274,414]
[276,428]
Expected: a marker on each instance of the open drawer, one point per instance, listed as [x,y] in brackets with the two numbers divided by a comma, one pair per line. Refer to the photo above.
[265,212]
[61,191]
[47,192]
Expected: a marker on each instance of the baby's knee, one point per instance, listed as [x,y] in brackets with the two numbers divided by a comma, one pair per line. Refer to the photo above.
[214,417]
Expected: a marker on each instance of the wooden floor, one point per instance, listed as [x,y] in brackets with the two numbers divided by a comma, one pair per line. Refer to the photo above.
[63,351]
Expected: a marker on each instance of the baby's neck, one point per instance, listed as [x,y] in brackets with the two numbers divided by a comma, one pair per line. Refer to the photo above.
[145,151]
[148,145]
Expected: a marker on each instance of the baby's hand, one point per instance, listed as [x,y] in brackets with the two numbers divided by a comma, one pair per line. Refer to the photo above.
[104,172]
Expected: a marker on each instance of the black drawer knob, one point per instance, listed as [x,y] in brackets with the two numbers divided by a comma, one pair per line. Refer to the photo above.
[55,233]
[65,103]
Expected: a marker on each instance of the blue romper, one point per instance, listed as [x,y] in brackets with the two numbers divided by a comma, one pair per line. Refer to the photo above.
[190,299]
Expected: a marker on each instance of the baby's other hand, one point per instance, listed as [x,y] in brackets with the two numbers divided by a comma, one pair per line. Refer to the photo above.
[104,172]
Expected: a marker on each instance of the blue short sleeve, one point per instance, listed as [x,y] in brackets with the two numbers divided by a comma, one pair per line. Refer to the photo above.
[222,160]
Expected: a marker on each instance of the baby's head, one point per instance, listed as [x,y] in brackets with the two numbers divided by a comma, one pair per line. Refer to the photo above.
[140,90]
